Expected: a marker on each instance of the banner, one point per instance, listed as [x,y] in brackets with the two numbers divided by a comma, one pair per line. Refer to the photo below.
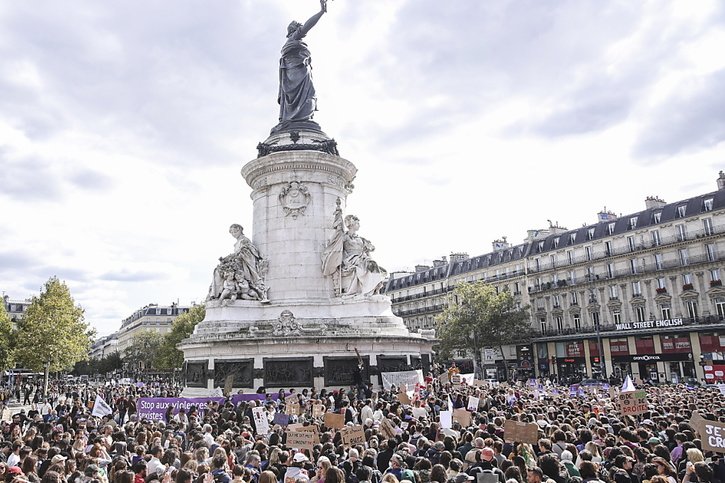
[468,378]
[101,408]
[155,407]
[516,431]
[400,379]
[632,403]
[260,420]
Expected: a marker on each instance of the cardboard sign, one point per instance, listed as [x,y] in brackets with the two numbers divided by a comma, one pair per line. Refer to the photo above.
[334,420]
[301,440]
[695,421]
[420,413]
[632,403]
[712,434]
[228,384]
[292,406]
[387,428]
[353,435]
[462,417]
[472,403]
[456,380]
[318,410]
[403,397]
[516,431]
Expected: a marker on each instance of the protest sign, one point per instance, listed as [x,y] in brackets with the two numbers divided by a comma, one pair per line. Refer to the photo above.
[420,413]
[101,407]
[632,403]
[353,435]
[403,397]
[446,419]
[228,384]
[456,380]
[334,420]
[292,406]
[402,378]
[260,420]
[462,417]
[516,431]
[281,419]
[301,440]
[155,407]
[472,403]
[387,428]
[712,434]
[318,410]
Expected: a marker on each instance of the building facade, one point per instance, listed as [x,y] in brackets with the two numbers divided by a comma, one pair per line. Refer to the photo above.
[15,309]
[639,294]
[153,317]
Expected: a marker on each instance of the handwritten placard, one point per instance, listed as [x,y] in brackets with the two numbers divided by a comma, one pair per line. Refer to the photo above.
[353,435]
[301,440]
[516,431]
[462,417]
[632,403]
[334,420]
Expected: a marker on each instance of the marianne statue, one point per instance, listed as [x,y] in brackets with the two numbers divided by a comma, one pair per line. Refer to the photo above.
[297,101]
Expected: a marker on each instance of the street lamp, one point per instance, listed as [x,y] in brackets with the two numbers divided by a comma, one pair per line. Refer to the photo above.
[602,366]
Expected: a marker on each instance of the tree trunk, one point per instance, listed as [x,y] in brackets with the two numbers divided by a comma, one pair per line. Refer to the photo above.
[505,362]
[45,382]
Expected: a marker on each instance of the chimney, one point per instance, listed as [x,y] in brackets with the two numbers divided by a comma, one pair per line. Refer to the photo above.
[652,202]
[441,262]
[421,268]
[606,215]
[721,181]
[501,244]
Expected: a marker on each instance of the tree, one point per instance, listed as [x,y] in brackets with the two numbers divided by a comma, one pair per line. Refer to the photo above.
[169,356]
[7,344]
[480,318]
[143,352]
[52,336]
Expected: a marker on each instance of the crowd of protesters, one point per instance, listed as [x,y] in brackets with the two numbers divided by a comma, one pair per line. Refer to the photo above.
[583,438]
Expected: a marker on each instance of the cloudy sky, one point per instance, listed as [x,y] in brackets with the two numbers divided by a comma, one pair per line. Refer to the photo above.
[124,124]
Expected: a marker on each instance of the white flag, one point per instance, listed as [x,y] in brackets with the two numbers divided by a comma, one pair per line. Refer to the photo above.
[101,408]
[628,385]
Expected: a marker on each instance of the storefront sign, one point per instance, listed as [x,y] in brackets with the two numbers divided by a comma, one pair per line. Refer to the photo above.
[653,357]
[650,324]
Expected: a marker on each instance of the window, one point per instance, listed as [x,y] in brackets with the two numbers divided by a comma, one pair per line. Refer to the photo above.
[720,306]
[656,217]
[619,346]
[610,228]
[559,323]
[556,301]
[683,256]
[715,274]
[617,317]
[577,322]
[661,282]
[613,291]
[572,238]
[630,242]
[707,226]
[595,318]
[711,252]
[687,279]
[574,298]
[610,270]
[656,241]
[637,288]
[552,260]
[542,324]
[556,242]
[681,211]
[658,261]
[608,248]
[633,266]
[590,234]
[588,253]
[639,314]
[681,232]
[691,306]
[633,223]
[590,273]
[541,246]
[570,256]
[537,264]
[666,312]
[707,204]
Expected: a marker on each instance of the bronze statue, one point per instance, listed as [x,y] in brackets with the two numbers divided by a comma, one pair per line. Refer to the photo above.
[297,101]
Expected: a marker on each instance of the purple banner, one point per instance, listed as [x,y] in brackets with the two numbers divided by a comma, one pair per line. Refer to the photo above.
[155,407]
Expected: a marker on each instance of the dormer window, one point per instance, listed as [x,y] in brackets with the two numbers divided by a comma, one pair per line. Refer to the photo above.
[681,210]
[541,246]
[590,234]
[656,217]
[556,242]
[572,238]
[707,204]
[610,228]
[633,223]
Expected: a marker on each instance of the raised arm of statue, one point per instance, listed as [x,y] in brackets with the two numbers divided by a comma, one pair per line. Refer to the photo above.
[314,19]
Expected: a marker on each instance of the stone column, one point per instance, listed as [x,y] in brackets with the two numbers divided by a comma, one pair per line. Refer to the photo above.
[294,195]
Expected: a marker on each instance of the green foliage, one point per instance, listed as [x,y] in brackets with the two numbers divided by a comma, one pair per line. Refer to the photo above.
[110,363]
[169,356]
[52,331]
[481,318]
[143,352]
[7,343]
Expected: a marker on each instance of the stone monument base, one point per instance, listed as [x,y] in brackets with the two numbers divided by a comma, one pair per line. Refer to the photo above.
[249,345]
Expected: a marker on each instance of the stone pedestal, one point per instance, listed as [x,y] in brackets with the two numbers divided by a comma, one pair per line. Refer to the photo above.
[304,334]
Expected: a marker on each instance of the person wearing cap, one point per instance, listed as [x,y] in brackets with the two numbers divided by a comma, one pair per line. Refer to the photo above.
[296,469]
